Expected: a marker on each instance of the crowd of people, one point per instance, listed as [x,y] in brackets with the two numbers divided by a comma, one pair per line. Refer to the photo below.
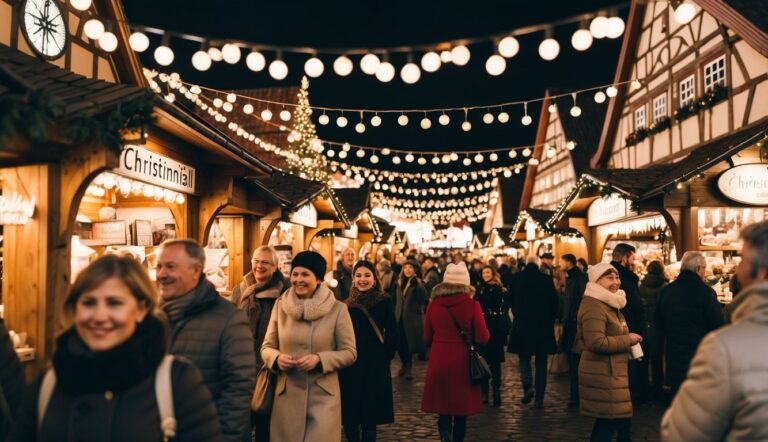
[174,360]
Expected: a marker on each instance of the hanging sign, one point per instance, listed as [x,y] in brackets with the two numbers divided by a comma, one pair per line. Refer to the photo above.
[151,167]
[606,210]
[15,210]
[305,216]
[746,184]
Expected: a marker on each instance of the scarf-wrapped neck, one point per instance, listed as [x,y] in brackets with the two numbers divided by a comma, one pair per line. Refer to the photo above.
[308,309]
[367,299]
[615,300]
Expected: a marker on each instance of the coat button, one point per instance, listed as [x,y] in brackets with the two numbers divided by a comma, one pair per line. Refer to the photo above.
[108,395]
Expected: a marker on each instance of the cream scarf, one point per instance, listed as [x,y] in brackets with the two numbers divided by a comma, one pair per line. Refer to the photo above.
[309,309]
[615,300]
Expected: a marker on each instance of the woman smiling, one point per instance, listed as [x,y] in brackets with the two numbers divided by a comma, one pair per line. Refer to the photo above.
[309,338]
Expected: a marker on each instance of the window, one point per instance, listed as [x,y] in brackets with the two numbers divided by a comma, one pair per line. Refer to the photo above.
[640,117]
[687,90]
[659,107]
[714,73]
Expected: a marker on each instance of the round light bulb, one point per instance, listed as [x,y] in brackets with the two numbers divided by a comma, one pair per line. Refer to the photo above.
[611,91]
[314,67]
[402,120]
[255,61]
[575,111]
[581,40]
[445,159]
[201,61]
[215,54]
[614,27]
[460,55]
[396,159]
[163,55]
[139,41]
[218,102]
[446,57]
[231,97]
[552,108]
[426,123]
[409,158]
[493,156]
[444,120]
[435,160]
[341,121]
[599,97]
[374,160]
[360,153]
[93,28]
[385,151]
[278,69]
[466,161]
[503,117]
[466,126]
[376,121]
[248,109]
[228,107]
[330,153]
[360,127]
[478,158]
[410,73]
[513,154]
[80,5]
[385,72]
[323,119]
[369,63]
[488,118]
[180,199]
[421,161]
[551,153]
[342,66]
[430,61]
[266,115]
[509,47]
[454,156]
[285,115]
[108,42]
[684,13]
[231,53]
[570,145]
[599,27]
[549,48]
[343,154]
[527,152]
[346,147]
[495,65]
[636,84]
[526,120]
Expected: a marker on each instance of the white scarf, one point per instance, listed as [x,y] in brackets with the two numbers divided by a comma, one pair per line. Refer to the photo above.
[615,300]
[309,309]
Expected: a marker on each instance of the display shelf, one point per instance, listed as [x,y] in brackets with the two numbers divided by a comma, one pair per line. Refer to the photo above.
[719,249]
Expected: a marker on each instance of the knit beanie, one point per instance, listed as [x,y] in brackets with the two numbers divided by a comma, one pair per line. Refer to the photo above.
[456,274]
[598,270]
[312,261]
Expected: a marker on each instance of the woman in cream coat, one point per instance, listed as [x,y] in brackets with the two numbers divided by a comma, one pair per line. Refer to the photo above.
[309,338]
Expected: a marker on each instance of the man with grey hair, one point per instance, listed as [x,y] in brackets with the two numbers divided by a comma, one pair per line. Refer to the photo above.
[724,396]
[210,332]
[686,311]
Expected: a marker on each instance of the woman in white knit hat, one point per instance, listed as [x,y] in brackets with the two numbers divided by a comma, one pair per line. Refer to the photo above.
[604,341]
[448,390]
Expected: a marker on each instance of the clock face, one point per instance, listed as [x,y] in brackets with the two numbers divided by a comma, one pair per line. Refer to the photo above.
[44,27]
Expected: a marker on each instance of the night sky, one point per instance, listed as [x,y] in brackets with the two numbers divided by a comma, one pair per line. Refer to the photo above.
[374,24]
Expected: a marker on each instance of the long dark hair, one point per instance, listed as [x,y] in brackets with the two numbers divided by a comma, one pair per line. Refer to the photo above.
[368,265]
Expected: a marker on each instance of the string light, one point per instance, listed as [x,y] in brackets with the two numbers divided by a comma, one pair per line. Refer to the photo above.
[526,120]
[369,63]
[508,47]
[549,48]
[256,61]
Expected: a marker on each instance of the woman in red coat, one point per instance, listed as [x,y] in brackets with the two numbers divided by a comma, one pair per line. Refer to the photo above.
[448,390]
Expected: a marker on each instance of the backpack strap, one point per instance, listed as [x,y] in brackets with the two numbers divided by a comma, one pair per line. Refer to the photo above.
[164,395]
[44,395]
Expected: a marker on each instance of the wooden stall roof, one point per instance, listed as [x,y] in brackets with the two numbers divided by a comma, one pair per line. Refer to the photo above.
[289,191]
[354,200]
[387,230]
[77,94]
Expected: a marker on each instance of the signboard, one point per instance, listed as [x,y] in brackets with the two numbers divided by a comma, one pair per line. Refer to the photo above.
[151,167]
[747,184]
[15,210]
[606,210]
[305,216]
[107,233]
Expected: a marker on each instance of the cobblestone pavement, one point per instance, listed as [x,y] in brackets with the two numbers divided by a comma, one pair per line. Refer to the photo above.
[511,421]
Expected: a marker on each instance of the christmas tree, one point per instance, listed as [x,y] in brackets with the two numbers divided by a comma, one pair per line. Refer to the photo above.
[309,160]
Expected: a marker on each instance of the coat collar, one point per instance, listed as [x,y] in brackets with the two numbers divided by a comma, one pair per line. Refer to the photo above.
[448,289]
[310,309]
[752,304]
[615,300]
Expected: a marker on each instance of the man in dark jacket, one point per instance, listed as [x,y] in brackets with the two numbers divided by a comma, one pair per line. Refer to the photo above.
[431,275]
[686,311]
[623,259]
[11,381]
[343,274]
[534,306]
[210,332]
[575,284]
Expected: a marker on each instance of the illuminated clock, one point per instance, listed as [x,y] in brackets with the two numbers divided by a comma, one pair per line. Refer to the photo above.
[44,27]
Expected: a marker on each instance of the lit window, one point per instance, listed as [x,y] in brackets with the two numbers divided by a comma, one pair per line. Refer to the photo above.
[714,73]
[659,107]
[687,90]
[640,117]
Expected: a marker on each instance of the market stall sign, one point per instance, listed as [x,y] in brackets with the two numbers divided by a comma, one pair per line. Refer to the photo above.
[15,210]
[606,210]
[747,184]
[151,167]
[350,233]
[305,215]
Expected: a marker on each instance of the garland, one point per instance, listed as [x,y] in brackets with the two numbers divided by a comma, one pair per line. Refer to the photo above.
[639,135]
[711,97]
[32,113]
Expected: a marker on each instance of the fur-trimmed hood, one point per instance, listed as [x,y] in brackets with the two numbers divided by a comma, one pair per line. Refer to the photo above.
[448,289]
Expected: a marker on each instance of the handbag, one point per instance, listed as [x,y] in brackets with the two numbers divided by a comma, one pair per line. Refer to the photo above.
[264,392]
[479,371]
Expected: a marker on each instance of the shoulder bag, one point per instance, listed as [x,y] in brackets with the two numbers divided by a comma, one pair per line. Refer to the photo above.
[264,392]
[479,371]
[375,327]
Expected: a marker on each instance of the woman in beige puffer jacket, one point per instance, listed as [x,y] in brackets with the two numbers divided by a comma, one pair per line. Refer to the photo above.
[604,340]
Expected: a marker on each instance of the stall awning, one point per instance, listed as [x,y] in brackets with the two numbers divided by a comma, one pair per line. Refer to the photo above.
[289,191]
[354,200]
[541,218]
